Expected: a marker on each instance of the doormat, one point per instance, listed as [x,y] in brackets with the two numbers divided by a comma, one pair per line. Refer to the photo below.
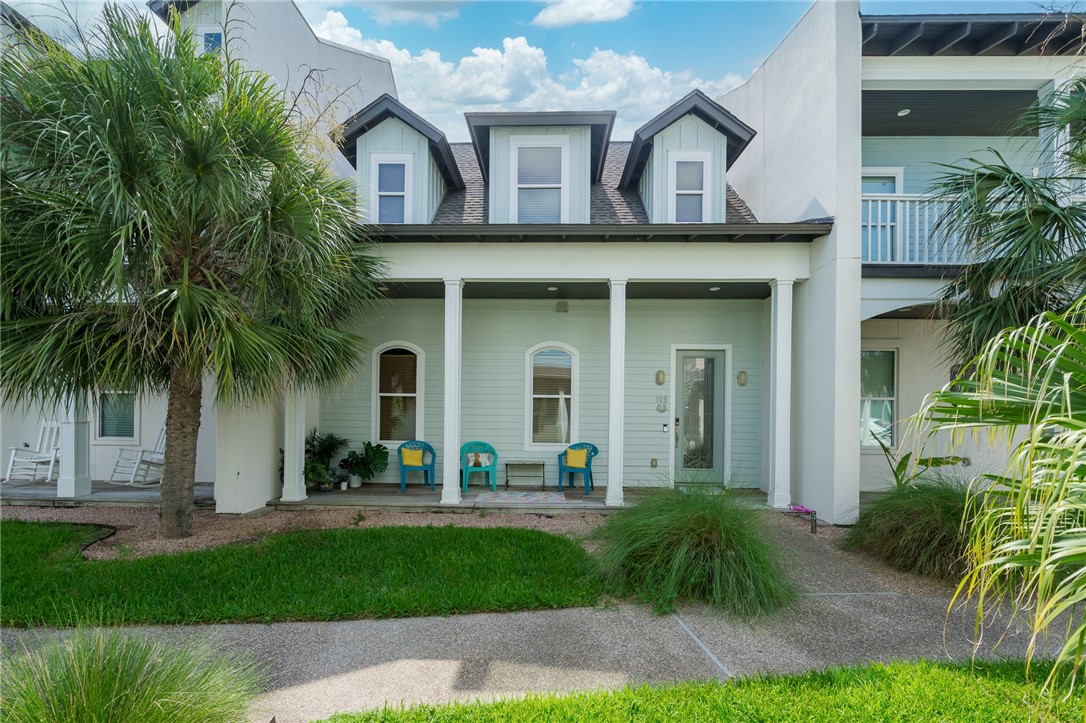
[540,499]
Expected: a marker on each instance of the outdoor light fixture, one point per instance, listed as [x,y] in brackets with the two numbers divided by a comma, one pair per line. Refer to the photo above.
[741,378]
[904,112]
[714,288]
[552,288]
[660,377]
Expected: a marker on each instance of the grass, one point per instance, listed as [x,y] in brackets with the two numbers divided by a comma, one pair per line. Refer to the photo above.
[694,545]
[917,528]
[306,575]
[921,691]
[107,676]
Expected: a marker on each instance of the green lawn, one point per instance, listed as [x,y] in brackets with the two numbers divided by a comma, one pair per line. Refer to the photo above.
[307,575]
[898,692]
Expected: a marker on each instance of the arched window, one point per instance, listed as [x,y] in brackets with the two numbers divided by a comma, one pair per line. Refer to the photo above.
[398,392]
[552,395]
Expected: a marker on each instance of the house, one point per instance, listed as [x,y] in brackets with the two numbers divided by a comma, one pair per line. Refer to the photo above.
[739,293]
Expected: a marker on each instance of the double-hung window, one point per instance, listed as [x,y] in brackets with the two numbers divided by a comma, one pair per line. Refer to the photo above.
[552,395]
[540,173]
[117,417]
[398,386]
[689,185]
[878,392]
[390,192]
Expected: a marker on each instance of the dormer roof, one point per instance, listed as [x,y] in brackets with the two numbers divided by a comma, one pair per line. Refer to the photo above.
[737,133]
[600,122]
[387,107]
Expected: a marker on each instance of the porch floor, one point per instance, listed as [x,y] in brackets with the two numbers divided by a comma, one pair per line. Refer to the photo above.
[44,494]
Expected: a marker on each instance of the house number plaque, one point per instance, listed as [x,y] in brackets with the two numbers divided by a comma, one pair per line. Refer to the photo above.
[661,404]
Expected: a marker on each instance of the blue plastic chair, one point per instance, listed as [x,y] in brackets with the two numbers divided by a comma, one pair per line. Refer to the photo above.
[586,471]
[467,469]
[427,468]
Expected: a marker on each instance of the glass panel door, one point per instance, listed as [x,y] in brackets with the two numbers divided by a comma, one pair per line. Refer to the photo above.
[699,426]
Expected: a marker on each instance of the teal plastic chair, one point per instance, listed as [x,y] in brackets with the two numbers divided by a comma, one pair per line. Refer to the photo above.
[468,467]
[427,468]
[585,472]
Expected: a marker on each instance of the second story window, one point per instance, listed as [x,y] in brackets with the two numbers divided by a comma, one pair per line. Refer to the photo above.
[390,194]
[212,39]
[540,175]
[689,186]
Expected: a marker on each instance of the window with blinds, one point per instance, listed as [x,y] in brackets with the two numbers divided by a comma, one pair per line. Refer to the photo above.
[689,189]
[390,188]
[398,397]
[539,178]
[117,415]
[877,397]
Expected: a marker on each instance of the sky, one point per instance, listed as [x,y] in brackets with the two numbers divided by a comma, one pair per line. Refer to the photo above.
[635,57]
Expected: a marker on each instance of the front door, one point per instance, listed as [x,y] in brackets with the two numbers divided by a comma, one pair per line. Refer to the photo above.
[699,420]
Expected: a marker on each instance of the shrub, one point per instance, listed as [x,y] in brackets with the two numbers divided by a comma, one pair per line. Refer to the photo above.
[107,676]
[694,544]
[917,528]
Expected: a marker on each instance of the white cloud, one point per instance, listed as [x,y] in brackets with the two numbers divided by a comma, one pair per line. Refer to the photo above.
[421,12]
[563,13]
[516,77]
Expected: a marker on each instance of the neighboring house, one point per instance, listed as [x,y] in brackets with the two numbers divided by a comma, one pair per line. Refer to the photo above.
[275,38]
[736,294]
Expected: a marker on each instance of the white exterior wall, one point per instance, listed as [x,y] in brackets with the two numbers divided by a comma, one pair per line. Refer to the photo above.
[427,186]
[497,337]
[20,424]
[805,163]
[922,368]
[689,133]
[500,186]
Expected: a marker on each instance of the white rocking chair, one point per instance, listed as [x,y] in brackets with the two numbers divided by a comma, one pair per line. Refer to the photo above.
[133,465]
[25,462]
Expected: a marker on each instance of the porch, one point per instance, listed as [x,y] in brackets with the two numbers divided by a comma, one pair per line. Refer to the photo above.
[101,494]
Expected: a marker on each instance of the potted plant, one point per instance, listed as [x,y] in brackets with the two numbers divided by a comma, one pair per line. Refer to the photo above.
[320,450]
[365,465]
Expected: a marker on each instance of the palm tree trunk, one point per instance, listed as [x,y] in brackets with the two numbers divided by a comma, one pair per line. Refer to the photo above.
[179,466]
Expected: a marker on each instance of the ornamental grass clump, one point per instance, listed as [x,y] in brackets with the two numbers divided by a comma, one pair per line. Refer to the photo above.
[920,528]
[694,544]
[113,677]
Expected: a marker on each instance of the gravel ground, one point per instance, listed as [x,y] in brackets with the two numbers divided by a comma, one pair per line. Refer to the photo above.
[136,527]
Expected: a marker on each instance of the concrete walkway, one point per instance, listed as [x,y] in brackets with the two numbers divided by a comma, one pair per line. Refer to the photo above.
[851,611]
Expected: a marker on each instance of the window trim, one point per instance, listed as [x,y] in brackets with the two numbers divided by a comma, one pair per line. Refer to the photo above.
[376,160]
[574,403]
[132,441]
[536,141]
[896,435]
[673,158]
[375,395]
[898,174]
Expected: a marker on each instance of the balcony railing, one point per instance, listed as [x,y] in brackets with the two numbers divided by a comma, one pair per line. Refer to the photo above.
[901,229]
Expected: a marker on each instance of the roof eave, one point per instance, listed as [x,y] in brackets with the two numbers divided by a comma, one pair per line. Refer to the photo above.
[661,232]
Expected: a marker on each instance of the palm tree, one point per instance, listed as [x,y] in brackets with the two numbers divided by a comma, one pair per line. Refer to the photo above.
[1028,541]
[164,227]
[1026,235]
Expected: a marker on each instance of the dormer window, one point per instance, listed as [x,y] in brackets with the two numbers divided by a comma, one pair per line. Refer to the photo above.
[689,186]
[540,173]
[390,197]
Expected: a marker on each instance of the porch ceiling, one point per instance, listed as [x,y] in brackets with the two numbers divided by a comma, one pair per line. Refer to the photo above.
[944,112]
[581,290]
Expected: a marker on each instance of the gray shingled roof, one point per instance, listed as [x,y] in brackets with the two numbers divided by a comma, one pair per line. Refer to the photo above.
[609,205]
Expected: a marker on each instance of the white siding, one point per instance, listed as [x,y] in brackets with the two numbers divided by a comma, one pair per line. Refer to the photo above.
[920,155]
[580,179]
[497,335]
[689,133]
[427,186]
[645,188]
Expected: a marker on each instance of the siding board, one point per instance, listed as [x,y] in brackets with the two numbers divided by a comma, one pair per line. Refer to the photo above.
[920,155]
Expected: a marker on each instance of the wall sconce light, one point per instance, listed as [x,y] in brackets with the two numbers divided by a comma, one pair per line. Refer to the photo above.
[660,377]
[741,378]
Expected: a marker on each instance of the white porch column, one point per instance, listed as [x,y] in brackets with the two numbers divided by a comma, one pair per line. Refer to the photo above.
[74,479]
[616,397]
[294,447]
[450,473]
[780,395]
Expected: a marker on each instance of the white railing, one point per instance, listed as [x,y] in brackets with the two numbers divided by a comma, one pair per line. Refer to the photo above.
[901,229]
